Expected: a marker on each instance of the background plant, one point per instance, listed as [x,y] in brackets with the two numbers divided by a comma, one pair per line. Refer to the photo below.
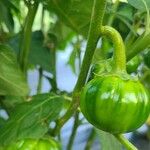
[60,24]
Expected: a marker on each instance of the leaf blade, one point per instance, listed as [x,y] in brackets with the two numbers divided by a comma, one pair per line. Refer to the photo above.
[31,119]
[108,141]
[12,80]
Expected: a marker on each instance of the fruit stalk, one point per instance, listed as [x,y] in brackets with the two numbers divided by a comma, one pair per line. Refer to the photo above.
[125,142]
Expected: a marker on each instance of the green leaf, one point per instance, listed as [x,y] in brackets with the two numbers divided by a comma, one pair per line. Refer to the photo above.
[12,101]
[7,8]
[75,13]
[12,80]
[72,60]
[2,122]
[63,34]
[126,11]
[139,4]
[108,141]
[39,54]
[127,23]
[31,119]
[6,17]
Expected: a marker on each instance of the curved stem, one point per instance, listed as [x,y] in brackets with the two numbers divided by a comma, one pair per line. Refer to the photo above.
[109,23]
[26,39]
[93,37]
[125,142]
[119,48]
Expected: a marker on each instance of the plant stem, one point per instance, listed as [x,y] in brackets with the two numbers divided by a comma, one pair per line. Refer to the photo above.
[74,130]
[26,38]
[131,37]
[53,67]
[112,16]
[138,46]
[76,118]
[39,87]
[119,48]
[79,52]
[93,37]
[129,40]
[90,140]
[109,23]
[125,142]
[147,28]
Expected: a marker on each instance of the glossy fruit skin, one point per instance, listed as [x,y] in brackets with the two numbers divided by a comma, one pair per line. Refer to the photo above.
[115,105]
[34,144]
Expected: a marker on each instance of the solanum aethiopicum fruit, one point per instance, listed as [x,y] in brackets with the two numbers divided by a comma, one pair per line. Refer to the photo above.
[34,144]
[114,101]
[114,104]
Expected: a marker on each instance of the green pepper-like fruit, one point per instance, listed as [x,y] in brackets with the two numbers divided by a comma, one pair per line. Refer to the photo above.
[34,144]
[114,104]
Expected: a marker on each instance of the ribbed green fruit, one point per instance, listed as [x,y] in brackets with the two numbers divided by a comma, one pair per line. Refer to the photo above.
[33,144]
[115,105]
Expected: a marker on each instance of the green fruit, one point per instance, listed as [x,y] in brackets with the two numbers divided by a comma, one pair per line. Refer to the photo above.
[34,144]
[114,104]
[133,64]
